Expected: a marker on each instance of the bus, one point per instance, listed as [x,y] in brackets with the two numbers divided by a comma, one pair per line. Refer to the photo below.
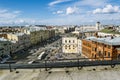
[40,56]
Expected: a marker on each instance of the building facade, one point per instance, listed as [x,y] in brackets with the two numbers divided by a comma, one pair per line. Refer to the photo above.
[69,45]
[79,46]
[102,34]
[18,41]
[39,34]
[5,47]
[101,48]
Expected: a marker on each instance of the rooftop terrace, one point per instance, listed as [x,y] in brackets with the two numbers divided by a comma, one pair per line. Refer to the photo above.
[87,73]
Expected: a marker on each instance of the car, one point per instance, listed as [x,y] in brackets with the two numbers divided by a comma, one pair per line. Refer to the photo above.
[30,62]
[31,51]
[4,59]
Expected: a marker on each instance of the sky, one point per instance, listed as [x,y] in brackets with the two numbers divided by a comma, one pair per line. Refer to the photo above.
[59,12]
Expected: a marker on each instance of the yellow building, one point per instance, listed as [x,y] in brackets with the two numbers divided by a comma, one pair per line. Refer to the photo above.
[19,41]
[37,36]
[40,35]
[5,47]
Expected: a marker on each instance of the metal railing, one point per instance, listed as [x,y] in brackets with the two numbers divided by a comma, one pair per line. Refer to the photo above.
[61,63]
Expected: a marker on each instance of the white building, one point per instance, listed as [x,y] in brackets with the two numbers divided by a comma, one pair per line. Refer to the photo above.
[71,45]
[102,34]
[98,26]
[80,46]
[85,28]
[118,28]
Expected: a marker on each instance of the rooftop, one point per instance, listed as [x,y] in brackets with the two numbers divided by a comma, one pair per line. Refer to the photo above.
[19,34]
[107,40]
[3,39]
[86,73]
[111,31]
[35,28]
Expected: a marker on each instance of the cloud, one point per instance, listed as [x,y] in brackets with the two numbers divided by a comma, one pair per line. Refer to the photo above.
[58,12]
[6,14]
[107,9]
[58,2]
[71,10]
[3,10]
[17,12]
[18,21]
[91,3]
[82,19]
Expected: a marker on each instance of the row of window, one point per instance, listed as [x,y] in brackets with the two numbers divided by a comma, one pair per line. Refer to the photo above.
[99,52]
[105,54]
[100,44]
[87,44]
[70,47]
[94,49]
[69,41]
[86,50]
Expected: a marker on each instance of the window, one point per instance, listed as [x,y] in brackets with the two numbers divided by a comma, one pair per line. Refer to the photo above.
[109,47]
[95,56]
[99,53]
[69,41]
[95,49]
[105,53]
[65,46]
[65,41]
[73,41]
[104,45]
[73,47]
[92,49]
[69,47]
[109,54]
[92,55]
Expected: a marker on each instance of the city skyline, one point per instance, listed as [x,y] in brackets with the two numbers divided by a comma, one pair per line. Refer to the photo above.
[59,12]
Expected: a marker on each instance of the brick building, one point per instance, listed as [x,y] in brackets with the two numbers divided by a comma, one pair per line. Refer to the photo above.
[101,48]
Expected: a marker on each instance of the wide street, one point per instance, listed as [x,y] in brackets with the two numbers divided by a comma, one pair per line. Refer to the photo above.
[51,46]
[50,49]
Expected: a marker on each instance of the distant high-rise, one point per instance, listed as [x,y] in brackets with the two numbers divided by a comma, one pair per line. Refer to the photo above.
[98,26]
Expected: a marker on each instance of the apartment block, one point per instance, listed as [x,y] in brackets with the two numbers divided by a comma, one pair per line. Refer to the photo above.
[41,35]
[18,41]
[71,45]
[107,48]
[38,34]
[5,47]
